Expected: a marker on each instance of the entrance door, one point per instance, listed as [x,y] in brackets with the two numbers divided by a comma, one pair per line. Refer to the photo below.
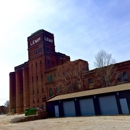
[108,105]
[124,106]
[57,111]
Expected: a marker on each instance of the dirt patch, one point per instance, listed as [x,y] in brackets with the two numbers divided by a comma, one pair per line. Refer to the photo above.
[72,123]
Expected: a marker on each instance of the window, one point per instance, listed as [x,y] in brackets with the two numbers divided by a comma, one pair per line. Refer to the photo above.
[90,80]
[108,80]
[90,83]
[125,76]
[40,62]
[36,64]
[33,101]
[103,81]
[38,51]
[42,90]
[69,88]
[60,89]
[63,73]
[52,63]
[75,87]
[119,78]
[38,100]
[32,79]
[37,91]
[50,92]
[36,77]
[43,99]
[41,76]
[57,90]
[43,107]
[54,75]
[33,91]
[50,78]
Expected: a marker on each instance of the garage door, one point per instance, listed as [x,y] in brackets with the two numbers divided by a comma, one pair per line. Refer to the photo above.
[87,107]
[124,106]
[108,105]
[69,108]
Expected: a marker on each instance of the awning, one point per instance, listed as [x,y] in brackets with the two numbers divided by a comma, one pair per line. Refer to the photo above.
[121,87]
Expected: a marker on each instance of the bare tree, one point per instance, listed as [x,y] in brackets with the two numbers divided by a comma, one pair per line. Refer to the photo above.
[69,76]
[103,59]
[105,69]
[6,103]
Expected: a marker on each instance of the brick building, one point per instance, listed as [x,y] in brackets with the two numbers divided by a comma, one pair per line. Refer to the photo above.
[4,110]
[27,82]
[51,81]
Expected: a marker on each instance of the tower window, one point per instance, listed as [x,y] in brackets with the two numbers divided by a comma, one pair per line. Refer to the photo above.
[37,91]
[38,100]
[33,91]
[41,76]
[52,63]
[36,77]
[40,62]
[32,79]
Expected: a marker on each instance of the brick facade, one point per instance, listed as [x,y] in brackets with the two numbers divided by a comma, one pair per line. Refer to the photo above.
[36,81]
[27,82]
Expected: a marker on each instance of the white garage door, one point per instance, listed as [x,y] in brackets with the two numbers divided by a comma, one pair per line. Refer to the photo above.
[69,108]
[87,107]
[108,105]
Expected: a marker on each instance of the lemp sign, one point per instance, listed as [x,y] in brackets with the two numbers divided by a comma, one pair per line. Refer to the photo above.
[38,39]
[48,39]
[35,41]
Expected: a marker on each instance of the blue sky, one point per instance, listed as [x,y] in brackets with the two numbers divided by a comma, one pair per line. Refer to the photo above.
[81,29]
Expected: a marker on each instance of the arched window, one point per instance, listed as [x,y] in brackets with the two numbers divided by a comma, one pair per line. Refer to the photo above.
[69,88]
[90,81]
[125,76]
[119,78]
[50,78]
[42,90]
[50,92]
[75,86]
[38,100]
[56,90]
[43,107]
[60,89]
[103,81]
[108,80]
